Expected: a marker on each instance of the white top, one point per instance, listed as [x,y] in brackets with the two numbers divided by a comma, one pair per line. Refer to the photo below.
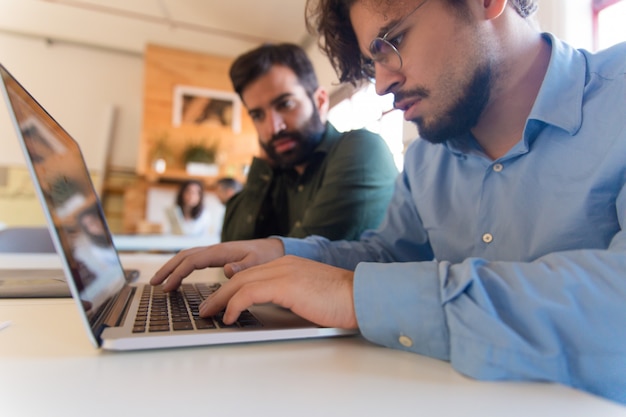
[202,225]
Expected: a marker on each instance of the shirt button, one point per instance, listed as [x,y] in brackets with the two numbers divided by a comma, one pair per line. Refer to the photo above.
[405,341]
[300,188]
[487,238]
[498,167]
[249,219]
[297,224]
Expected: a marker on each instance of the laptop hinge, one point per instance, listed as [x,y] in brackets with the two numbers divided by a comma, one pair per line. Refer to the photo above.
[119,307]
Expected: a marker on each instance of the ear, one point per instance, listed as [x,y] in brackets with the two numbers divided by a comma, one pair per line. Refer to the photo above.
[322,102]
[494,8]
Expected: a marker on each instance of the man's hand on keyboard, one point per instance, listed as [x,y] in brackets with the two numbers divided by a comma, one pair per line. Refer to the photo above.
[233,256]
[317,292]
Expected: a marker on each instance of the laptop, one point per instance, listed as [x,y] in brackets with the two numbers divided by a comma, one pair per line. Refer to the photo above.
[116,314]
[175,218]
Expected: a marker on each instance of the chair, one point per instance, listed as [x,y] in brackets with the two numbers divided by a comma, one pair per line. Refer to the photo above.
[26,240]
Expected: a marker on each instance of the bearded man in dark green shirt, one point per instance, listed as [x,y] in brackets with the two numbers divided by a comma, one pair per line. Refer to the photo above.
[308,179]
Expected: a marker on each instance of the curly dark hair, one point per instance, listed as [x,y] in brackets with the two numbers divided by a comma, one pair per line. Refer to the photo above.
[257,62]
[330,20]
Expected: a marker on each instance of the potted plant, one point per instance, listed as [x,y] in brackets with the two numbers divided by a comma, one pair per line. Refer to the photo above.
[199,158]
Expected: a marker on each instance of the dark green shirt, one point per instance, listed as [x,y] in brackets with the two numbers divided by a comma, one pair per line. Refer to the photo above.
[344,190]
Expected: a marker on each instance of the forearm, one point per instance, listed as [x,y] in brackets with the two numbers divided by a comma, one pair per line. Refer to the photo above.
[391,242]
[342,254]
[559,318]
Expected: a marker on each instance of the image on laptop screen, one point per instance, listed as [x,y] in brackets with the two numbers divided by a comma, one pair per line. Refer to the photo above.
[74,208]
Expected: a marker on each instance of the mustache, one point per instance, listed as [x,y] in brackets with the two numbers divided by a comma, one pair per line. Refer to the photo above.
[418,92]
[284,135]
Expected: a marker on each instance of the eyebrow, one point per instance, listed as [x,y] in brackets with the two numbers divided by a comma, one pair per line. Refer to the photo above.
[389,27]
[274,102]
[381,32]
[280,98]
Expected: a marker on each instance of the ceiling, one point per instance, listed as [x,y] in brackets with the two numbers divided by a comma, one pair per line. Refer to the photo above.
[214,26]
[225,28]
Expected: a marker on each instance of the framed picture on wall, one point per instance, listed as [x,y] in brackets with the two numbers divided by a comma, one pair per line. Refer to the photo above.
[202,106]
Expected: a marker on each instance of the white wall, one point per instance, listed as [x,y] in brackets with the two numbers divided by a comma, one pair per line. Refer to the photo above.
[569,20]
[79,85]
[82,88]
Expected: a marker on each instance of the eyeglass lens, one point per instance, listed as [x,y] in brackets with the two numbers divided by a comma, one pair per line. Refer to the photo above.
[385,53]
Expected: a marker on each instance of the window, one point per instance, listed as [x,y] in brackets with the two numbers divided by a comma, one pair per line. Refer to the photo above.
[608,22]
[366,109]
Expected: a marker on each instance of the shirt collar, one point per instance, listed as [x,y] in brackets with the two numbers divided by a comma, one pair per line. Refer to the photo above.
[558,103]
[331,135]
[560,99]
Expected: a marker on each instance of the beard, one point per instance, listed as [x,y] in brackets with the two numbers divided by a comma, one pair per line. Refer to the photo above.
[462,115]
[307,138]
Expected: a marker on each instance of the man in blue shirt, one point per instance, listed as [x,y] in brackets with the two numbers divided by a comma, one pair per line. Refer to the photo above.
[503,248]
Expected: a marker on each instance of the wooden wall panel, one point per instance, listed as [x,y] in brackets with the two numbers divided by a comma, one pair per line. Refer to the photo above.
[165,68]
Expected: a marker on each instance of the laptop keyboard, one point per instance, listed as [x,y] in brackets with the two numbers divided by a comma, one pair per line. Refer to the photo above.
[178,310]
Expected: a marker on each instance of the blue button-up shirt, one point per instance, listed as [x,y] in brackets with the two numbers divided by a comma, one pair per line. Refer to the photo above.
[512,268]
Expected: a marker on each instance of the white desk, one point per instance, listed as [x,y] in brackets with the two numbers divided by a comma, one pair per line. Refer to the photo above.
[48,368]
[161,243]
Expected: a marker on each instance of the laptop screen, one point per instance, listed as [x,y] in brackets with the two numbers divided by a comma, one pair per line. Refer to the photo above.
[70,202]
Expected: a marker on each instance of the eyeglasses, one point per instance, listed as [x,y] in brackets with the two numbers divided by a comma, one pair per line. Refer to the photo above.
[384,51]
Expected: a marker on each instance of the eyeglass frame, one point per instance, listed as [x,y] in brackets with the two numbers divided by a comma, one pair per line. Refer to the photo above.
[368,67]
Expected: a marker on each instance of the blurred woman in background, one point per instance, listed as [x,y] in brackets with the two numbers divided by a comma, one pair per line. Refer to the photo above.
[194,219]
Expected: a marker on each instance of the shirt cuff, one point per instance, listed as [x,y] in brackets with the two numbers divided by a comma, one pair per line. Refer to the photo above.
[300,247]
[399,305]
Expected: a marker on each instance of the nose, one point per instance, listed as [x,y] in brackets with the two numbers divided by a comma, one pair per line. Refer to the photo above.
[387,81]
[277,123]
